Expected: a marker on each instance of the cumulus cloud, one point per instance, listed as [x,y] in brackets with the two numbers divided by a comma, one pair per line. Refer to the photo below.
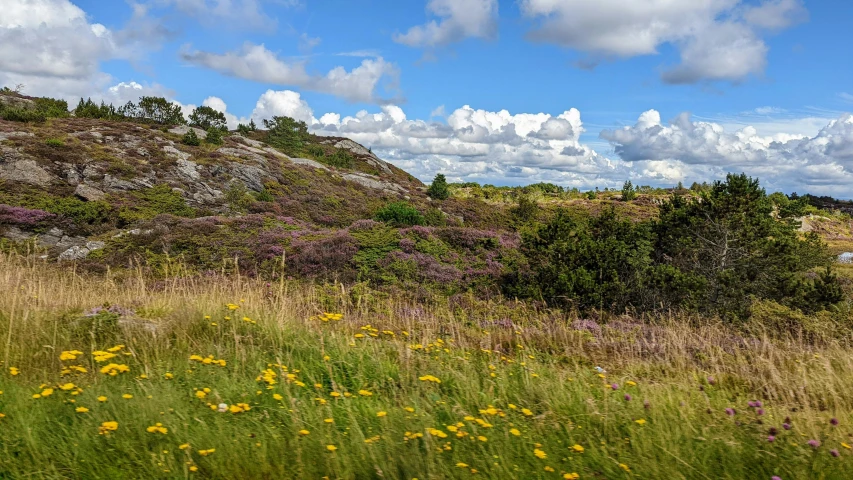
[51,48]
[479,145]
[717,39]
[257,63]
[460,19]
[822,163]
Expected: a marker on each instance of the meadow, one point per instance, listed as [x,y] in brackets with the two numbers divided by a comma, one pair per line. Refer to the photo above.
[122,376]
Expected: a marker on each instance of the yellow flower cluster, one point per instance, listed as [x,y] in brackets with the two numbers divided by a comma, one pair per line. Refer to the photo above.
[70,355]
[114,369]
[157,428]
[429,378]
[107,427]
[73,369]
[208,360]
[326,317]
[13,371]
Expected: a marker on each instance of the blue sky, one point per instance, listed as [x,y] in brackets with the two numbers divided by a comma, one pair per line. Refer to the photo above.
[767,83]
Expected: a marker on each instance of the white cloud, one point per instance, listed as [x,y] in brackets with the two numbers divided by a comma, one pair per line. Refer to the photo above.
[246,14]
[821,164]
[256,62]
[460,19]
[717,39]
[282,103]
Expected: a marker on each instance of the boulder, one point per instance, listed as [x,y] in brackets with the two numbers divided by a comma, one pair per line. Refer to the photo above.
[15,167]
[309,163]
[183,129]
[79,252]
[88,193]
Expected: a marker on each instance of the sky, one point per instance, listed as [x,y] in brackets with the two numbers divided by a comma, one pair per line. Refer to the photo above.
[581,93]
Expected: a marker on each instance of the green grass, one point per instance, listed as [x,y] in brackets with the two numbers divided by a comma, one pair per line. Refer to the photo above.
[487,375]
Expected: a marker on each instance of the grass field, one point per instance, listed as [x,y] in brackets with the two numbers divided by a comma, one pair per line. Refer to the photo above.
[383,389]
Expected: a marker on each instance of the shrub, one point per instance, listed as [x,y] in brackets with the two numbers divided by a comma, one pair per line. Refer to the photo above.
[190,138]
[214,136]
[340,159]
[326,259]
[591,195]
[438,188]
[287,134]
[206,118]
[54,142]
[400,214]
[10,215]
[150,202]
[628,192]
[160,110]
[21,115]
[243,129]
[525,211]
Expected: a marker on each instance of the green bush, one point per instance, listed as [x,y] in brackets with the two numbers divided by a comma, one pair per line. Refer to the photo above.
[400,214]
[628,192]
[340,159]
[438,188]
[54,142]
[214,136]
[286,134]
[206,118]
[190,138]
[150,202]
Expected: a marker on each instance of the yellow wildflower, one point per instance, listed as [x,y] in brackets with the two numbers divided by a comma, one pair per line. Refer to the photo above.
[304,432]
[200,394]
[127,396]
[571,476]
[157,428]
[102,398]
[329,420]
[381,414]
[640,421]
[331,448]
[81,409]
[277,396]
[207,452]
[577,448]
[13,371]
[429,378]
[539,453]
[514,431]
[67,386]
[462,465]
[107,427]
[526,412]
[409,409]
[184,446]
[364,393]
[624,467]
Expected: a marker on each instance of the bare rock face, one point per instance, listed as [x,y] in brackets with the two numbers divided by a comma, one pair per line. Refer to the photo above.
[88,193]
[250,175]
[309,163]
[183,129]
[13,101]
[373,182]
[187,170]
[16,167]
[358,149]
[8,135]
[79,252]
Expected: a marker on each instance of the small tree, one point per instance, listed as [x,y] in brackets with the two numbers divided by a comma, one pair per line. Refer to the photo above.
[628,192]
[214,136]
[190,138]
[252,125]
[286,133]
[438,189]
[400,214]
[205,117]
[160,110]
[243,129]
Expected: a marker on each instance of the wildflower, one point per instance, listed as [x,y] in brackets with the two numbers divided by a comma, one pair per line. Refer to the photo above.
[834,452]
[331,448]
[627,397]
[207,452]
[814,443]
[711,381]
[759,412]
[102,399]
[184,446]
[526,412]
[515,432]
[549,469]
[833,421]
[107,427]
[114,369]
[47,392]
[646,404]
[640,421]
[771,438]
[630,383]
[101,356]
[774,477]
[462,465]
[222,408]
[13,371]
[127,396]
[81,409]
[277,396]
[200,394]
[70,355]
[157,428]
[364,393]
[381,414]
[577,448]
[429,378]
[786,426]
[115,349]
[624,467]
[67,386]
[329,420]
[571,476]
[848,447]
[730,411]
[409,409]
[168,376]
[304,432]
[614,386]
[482,438]
[193,468]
